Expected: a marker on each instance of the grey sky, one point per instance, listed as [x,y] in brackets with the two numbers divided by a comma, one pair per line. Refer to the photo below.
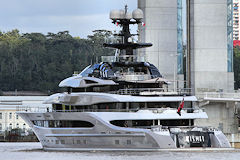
[79,17]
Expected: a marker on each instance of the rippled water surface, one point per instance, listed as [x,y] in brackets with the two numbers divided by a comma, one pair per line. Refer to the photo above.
[33,151]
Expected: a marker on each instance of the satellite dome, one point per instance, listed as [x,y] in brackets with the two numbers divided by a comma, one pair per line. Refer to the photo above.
[122,14]
[117,14]
[137,14]
[128,15]
[114,14]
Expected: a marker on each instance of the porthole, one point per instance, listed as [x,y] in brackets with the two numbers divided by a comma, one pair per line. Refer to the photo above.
[62,142]
[117,141]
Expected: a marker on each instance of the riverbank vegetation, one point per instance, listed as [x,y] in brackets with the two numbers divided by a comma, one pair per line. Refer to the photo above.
[38,62]
[236,67]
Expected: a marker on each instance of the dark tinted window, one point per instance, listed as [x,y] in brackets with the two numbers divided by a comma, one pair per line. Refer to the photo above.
[63,124]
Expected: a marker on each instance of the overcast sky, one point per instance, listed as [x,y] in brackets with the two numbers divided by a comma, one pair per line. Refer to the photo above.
[79,17]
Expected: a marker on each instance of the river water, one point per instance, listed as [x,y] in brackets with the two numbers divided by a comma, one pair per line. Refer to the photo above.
[33,151]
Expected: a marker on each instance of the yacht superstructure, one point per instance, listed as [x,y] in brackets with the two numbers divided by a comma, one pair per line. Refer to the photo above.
[122,103]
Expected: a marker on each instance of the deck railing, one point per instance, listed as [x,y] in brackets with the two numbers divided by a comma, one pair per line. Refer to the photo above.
[125,58]
[33,109]
[153,110]
[151,91]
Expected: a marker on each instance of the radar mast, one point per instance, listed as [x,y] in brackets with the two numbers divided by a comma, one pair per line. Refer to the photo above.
[124,19]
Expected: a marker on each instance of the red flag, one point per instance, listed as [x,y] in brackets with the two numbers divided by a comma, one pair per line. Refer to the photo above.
[180,107]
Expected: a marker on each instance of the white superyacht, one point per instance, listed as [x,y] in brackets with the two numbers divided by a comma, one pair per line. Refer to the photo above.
[122,103]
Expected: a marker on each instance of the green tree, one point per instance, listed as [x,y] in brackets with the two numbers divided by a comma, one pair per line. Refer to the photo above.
[34,61]
[236,63]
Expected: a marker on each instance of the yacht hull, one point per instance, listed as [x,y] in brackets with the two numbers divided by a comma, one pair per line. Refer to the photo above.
[105,136]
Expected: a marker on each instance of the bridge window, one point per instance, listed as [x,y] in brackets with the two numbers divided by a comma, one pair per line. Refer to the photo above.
[89,81]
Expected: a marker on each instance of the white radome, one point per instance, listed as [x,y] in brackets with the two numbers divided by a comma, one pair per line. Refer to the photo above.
[137,14]
[128,15]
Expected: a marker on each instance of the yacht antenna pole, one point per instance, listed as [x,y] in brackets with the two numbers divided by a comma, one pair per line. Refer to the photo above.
[124,19]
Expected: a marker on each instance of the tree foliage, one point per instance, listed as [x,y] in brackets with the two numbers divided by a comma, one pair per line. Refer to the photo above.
[34,61]
[38,62]
[236,66]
